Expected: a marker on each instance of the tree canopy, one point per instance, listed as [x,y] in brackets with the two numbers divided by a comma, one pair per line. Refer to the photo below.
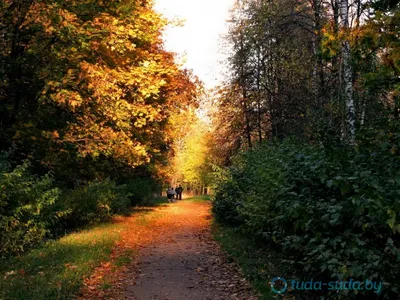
[84,80]
[87,95]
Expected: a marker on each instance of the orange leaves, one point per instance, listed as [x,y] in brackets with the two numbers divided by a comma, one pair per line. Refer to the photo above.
[106,80]
[330,42]
[55,135]
[69,99]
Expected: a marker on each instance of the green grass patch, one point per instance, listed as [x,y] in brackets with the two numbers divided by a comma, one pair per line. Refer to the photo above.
[259,264]
[105,285]
[125,258]
[57,270]
[199,198]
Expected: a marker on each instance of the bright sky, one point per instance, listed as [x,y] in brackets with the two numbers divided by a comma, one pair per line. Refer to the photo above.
[198,40]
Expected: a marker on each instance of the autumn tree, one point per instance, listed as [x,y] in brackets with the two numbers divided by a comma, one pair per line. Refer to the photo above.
[324,77]
[86,83]
[306,69]
[190,162]
[271,71]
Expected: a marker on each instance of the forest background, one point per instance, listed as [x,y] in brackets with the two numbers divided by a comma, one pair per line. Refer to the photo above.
[92,111]
[301,141]
[306,130]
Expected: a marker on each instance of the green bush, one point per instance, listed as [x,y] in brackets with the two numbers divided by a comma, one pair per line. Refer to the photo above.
[96,202]
[26,208]
[226,201]
[334,213]
[33,209]
[140,190]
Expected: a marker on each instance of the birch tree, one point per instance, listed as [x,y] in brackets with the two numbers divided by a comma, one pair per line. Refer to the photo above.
[347,74]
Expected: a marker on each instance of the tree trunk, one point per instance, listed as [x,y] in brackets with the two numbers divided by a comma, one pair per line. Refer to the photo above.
[247,119]
[318,71]
[347,75]
[259,95]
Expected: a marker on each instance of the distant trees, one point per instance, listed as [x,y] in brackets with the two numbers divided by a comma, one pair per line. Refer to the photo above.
[189,161]
[308,68]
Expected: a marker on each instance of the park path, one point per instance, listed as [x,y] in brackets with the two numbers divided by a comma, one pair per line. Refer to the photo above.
[177,259]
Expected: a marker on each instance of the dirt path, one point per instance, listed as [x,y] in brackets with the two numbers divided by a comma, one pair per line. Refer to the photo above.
[178,259]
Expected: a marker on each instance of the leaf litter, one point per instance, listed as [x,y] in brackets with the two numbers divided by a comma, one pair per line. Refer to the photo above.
[172,256]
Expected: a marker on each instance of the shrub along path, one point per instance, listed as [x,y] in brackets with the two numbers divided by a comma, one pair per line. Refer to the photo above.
[174,257]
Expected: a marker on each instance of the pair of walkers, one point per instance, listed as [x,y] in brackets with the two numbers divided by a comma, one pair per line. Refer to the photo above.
[174,193]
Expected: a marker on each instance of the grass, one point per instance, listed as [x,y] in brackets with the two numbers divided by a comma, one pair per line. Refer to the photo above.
[125,258]
[259,264]
[199,198]
[56,270]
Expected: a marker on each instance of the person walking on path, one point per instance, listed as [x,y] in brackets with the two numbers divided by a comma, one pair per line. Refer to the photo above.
[179,191]
[170,194]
